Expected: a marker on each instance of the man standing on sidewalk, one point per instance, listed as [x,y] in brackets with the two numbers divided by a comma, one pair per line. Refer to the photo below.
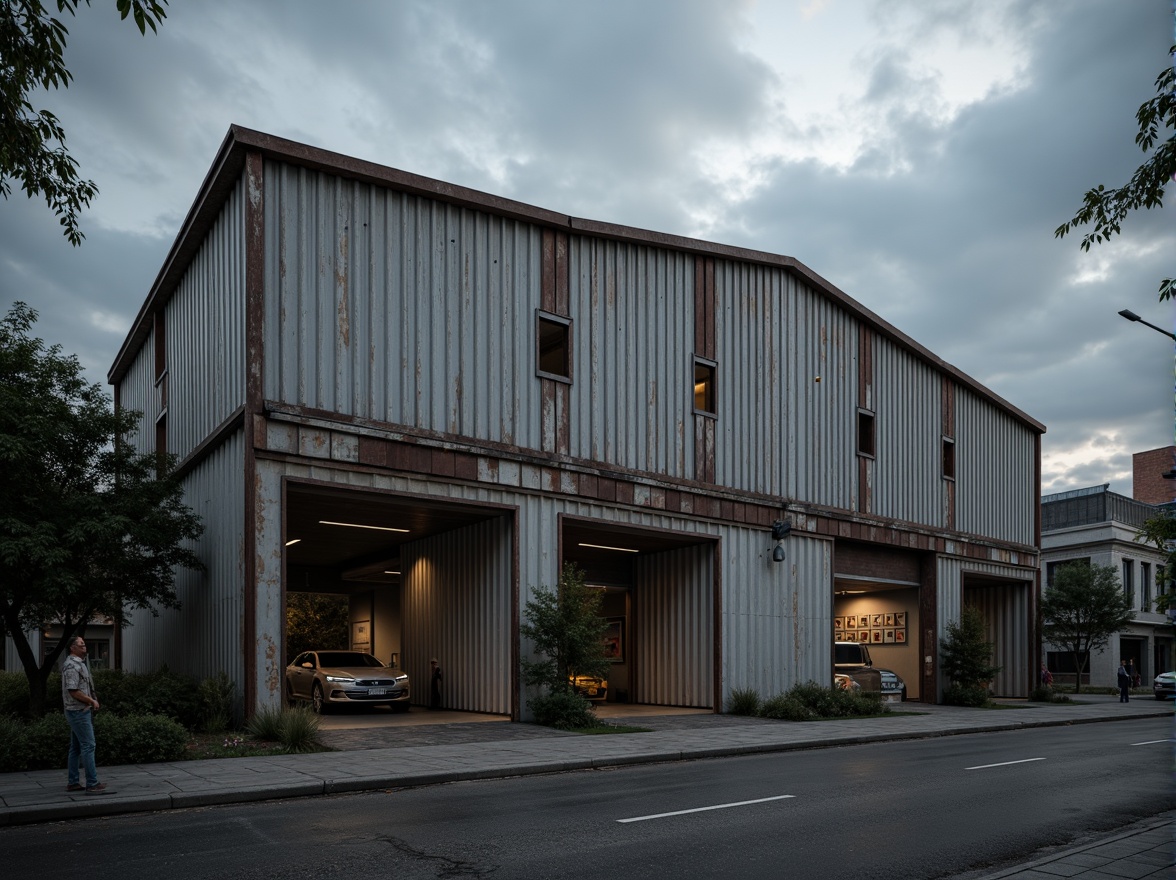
[1124,681]
[77,695]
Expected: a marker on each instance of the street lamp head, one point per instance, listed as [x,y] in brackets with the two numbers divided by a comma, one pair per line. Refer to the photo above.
[1130,315]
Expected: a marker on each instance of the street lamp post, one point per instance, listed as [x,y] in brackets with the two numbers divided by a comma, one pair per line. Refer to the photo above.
[1131,316]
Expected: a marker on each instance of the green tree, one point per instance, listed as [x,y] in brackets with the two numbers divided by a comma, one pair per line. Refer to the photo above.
[316,621]
[1108,208]
[88,528]
[1160,532]
[966,657]
[1082,610]
[566,630]
[32,141]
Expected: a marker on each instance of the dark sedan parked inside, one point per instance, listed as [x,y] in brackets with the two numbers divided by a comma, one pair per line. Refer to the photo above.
[333,678]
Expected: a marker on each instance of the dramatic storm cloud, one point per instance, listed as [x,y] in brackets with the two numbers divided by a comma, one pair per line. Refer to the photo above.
[918,155]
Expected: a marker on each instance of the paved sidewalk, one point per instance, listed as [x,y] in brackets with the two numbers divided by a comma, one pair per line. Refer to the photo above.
[375,757]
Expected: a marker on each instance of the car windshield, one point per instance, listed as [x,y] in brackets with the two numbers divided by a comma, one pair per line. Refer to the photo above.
[340,659]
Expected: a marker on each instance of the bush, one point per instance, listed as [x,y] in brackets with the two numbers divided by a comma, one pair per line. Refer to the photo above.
[266,724]
[743,701]
[154,693]
[138,739]
[46,742]
[13,745]
[216,703]
[959,695]
[1044,694]
[14,693]
[813,702]
[563,710]
[300,730]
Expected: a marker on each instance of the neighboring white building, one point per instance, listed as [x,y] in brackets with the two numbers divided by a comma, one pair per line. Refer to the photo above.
[333,341]
[1099,527]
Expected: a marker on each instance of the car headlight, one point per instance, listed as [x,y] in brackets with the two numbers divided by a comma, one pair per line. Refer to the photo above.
[340,679]
[402,678]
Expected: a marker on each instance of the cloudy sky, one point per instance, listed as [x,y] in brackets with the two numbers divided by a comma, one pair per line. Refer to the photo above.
[917,154]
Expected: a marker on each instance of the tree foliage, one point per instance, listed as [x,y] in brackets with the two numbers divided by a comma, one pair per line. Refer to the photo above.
[88,527]
[316,621]
[566,630]
[1108,208]
[1160,532]
[32,141]
[966,655]
[1082,610]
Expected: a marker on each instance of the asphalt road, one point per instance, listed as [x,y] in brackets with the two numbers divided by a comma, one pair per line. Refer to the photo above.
[922,809]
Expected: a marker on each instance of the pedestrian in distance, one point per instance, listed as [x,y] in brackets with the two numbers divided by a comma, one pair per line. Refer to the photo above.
[1132,674]
[1046,676]
[434,684]
[1124,679]
[80,702]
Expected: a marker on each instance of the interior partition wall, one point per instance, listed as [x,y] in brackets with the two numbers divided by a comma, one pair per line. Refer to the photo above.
[456,607]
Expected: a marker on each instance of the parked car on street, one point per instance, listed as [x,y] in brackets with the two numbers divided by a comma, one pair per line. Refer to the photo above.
[853,659]
[334,678]
[1165,686]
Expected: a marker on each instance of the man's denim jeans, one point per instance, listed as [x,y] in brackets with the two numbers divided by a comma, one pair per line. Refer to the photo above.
[81,745]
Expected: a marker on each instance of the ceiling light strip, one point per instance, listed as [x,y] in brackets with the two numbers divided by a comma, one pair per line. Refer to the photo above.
[606,547]
[327,522]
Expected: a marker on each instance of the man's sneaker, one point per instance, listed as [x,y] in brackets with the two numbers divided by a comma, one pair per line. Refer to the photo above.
[100,788]
[75,786]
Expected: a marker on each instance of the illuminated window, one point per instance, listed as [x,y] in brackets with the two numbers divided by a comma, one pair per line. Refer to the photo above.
[865,433]
[554,340]
[704,387]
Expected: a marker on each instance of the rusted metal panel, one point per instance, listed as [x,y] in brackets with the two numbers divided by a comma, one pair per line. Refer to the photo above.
[392,307]
[205,337]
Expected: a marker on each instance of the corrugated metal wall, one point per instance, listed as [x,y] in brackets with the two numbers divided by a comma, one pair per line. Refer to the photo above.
[780,431]
[456,603]
[204,637]
[995,463]
[205,335]
[392,307]
[908,473]
[1006,609]
[633,309]
[777,616]
[673,628]
[137,392]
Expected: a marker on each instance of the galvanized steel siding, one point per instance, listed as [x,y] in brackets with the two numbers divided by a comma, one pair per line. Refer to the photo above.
[995,463]
[908,473]
[777,616]
[633,350]
[455,604]
[673,629]
[780,430]
[204,637]
[401,309]
[205,333]
[137,391]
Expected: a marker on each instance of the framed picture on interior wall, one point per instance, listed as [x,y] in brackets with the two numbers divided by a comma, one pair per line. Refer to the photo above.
[838,635]
[900,618]
[876,636]
[900,636]
[614,640]
[838,623]
[361,635]
[863,635]
[888,637]
[876,620]
[851,622]
[889,619]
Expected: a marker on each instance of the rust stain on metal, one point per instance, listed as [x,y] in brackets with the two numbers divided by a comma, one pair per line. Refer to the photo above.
[272,683]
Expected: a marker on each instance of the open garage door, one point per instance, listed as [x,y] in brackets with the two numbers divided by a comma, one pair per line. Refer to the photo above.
[659,600]
[421,578]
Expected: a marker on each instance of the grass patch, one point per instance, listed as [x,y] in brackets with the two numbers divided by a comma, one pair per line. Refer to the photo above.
[604,729]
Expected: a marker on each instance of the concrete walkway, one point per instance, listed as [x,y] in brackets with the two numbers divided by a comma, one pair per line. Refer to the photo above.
[411,753]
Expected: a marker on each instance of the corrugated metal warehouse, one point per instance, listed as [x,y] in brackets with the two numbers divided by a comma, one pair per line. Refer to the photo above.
[333,341]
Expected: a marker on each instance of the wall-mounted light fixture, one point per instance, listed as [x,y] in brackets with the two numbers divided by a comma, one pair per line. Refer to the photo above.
[780,530]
